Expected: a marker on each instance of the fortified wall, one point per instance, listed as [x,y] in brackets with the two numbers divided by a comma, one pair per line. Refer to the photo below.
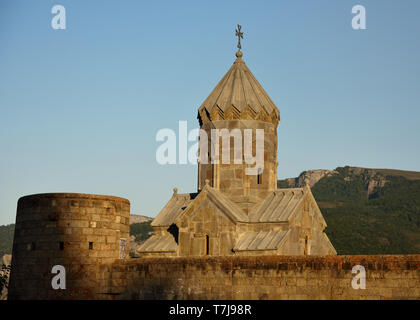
[76,231]
[264,277]
[87,234]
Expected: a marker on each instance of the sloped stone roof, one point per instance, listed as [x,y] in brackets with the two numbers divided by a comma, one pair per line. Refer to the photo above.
[263,240]
[239,96]
[278,205]
[179,203]
[158,243]
[230,208]
[173,209]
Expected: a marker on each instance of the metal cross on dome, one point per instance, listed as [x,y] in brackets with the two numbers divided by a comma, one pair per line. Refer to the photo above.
[240,36]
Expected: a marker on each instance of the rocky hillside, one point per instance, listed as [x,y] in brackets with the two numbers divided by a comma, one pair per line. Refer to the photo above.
[368,211]
[136,218]
[372,178]
[313,176]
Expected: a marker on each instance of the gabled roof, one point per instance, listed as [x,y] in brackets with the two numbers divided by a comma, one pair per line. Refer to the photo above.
[228,207]
[240,89]
[278,205]
[263,240]
[158,243]
[179,203]
[173,209]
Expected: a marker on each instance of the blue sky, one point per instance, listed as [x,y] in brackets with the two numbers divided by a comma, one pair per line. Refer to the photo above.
[80,108]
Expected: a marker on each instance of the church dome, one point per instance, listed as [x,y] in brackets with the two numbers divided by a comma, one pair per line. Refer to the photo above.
[238,96]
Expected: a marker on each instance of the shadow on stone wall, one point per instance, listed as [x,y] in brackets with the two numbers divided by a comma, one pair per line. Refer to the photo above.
[153,289]
[4,275]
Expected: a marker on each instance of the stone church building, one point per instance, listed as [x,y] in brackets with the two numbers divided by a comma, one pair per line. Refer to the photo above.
[242,221]
[233,213]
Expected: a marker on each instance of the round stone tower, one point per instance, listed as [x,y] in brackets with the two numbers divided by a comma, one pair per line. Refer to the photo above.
[76,231]
[234,117]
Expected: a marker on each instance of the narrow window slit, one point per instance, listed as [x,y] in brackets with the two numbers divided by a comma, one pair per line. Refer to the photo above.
[259,176]
[207,245]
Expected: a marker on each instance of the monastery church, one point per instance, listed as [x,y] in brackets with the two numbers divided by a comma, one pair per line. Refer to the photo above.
[233,213]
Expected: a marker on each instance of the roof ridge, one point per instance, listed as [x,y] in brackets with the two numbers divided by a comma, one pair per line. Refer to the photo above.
[255,238]
[234,79]
[285,206]
[263,90]
[253,89]
[227,75]
[240,88]
[255,209]
[243,89]
[238,213]
[275,209]
[274,204]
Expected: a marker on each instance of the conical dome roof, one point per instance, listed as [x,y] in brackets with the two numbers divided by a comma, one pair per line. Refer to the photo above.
[238,96]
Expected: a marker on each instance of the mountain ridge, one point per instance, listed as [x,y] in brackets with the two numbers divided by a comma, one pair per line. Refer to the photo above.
[315,175]
[368,211]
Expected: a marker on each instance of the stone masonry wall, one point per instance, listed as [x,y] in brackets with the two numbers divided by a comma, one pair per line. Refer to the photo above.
[268,277]
[77,231]
[231,178]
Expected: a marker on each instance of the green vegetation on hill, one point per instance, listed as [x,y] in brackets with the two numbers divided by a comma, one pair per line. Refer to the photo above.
[141,230]
[6,239]
[385,222]
[341,187]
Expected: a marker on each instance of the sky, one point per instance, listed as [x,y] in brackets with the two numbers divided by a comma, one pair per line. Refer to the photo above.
[80,107]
